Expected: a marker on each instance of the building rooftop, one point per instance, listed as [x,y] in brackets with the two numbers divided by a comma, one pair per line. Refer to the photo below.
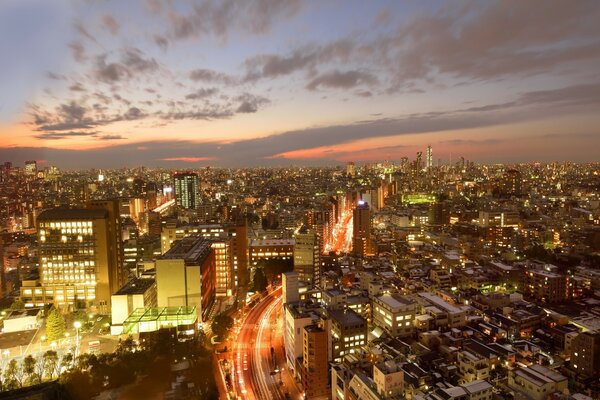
[395,301]
[192,249]
[272,242]
[439,302]
[477,386]
[135,286]
[71,213]
[346,317]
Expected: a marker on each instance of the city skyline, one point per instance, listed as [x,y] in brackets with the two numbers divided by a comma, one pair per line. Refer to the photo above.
[264,83]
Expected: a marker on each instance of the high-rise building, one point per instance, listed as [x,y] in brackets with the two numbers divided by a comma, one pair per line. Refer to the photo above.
[290,287]
[350,169]
[31,168]
[349,332]
[511,183]
[119,274]
[395,314]
[585,354]
[315,365]
[419,161]
[439,213]
[307,255]
[429,158]
[361,229]
[76,256]
[186,190]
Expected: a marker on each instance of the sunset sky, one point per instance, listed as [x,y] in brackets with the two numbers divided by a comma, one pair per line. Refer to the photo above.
[187,83]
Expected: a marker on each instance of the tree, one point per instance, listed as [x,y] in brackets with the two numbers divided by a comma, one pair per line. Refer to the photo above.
[28,366]
[66,361]
[17,305]
[13,377]
[78,384]
[260,280]
[221,324]
[55,325]
[50,363]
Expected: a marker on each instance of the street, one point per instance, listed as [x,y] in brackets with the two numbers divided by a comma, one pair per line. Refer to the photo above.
[257,371]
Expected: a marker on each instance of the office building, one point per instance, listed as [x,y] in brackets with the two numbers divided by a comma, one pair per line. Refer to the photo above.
[351,169]
[271,249]
[229,243]
[77,260]
[31,168]
[439,213]
[511,183]
[361,229]
[348,331]
[290,287]
[185,275]
[186,190]
[315,364]
[118,271]
[429,158]
[307,255]
[585,354]
[296,317]
[137,293]
[395,314]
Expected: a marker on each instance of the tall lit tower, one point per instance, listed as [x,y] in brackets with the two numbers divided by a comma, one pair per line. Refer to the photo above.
[429,156]
[361,229]
[186,190]
[307,255]
[350,169]
[31,168]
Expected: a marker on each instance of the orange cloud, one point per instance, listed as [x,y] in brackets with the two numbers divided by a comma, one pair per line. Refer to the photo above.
[188,159]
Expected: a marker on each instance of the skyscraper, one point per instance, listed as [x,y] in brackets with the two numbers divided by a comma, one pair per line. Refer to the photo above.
[511,183]
[315,365]
[361,229]
[307,255]
[186,190]
[31,168]
[350,169]
[429,156]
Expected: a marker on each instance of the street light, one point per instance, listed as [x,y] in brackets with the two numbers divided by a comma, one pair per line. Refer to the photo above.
[77,325]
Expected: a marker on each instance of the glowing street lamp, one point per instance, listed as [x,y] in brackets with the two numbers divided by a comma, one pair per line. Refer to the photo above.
[77,325]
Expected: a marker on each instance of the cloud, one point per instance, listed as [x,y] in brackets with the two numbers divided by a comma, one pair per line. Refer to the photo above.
[250,103]
[134,59]
[132,63]
[79,29]
[110,137]
[201,93]
[78,51]
[306,58]
[208,75]
[110,72]
[341,80]
[188,159]
[63,135]
[161,42]
[486,41]
[218,17]
[55,76]
[77,87]
[110,23]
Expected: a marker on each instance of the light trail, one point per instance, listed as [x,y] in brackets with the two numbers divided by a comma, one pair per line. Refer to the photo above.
[341,235]
[259,366]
